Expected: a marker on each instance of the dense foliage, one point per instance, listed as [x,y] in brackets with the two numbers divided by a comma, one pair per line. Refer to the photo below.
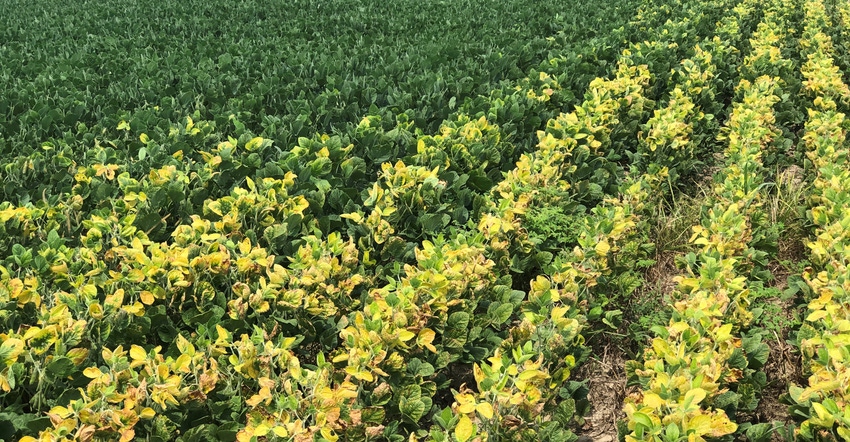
[415,220]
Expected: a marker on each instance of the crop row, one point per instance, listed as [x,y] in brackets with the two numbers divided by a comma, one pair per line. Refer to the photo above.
[150,290]
[702,368]
[822,403]
[381,282]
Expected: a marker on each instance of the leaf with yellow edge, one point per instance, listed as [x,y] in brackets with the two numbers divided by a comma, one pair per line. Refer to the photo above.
[254,144]
[354,216]
[252,186]
[10,349]
[464,429]
[78,355]
[31,333]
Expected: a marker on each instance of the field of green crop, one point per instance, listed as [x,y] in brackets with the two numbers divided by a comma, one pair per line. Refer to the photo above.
[424,220]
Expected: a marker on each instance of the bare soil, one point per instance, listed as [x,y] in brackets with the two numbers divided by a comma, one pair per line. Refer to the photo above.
[606,381]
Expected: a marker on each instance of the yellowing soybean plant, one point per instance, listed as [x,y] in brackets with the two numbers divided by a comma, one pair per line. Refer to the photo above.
[424,220]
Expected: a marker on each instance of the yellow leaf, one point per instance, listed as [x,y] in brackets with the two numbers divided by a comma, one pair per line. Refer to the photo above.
[328,434]
[182,364]
[721,425]
[261,430]
[724,333]
[136,309]
[62,412]
[464,429]
[466,403]
[184,346]
[530,374]
[816,315]
[96,311]
[426,337]
[245,246]
[602,248]
[256,399]
[146,297]
[92,372]
[363,375]
[485,409]
[137,353]
[147,413]
[822,412]
[679,327]
[405,335]
[695,396]
[653,400]
[354,216]
[700,424]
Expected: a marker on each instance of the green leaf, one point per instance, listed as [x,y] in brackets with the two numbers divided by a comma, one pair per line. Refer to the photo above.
[61,367]
[760,432]
[434,222]
[373,415]
[757,352]
[672,432]
[458,320]
[502,314]
[642,419]
[413,408]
